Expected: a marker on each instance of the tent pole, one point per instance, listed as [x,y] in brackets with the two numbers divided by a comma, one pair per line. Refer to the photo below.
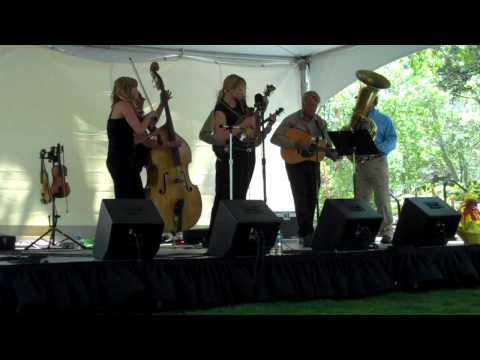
[304,67]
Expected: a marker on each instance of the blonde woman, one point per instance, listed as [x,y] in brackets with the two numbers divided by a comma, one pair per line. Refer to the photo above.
[122,126]
[231,110]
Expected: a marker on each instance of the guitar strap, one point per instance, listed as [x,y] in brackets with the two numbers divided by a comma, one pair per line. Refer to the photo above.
[230,108]
[320,129]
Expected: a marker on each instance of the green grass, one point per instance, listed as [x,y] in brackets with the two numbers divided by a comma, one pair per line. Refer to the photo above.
[437,302]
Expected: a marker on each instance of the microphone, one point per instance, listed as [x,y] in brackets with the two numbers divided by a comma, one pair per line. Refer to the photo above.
[259,100]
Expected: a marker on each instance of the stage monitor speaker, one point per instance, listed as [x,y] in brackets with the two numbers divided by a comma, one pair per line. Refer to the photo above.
[346,224]
[195,236]
[239,226]
[128,229]
[289,225]
[425,221]
[7,242]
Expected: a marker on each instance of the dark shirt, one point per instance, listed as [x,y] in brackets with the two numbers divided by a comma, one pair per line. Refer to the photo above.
[120,137]
[232,116]
[121,148]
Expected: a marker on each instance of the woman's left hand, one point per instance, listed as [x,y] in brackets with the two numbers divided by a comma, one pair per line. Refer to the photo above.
[151,117]
[165,96]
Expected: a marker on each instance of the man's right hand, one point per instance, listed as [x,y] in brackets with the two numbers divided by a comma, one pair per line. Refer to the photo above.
[303,144]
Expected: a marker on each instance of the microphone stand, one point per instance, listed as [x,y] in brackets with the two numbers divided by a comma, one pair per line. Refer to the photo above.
[449,181]
[354,167]
[260,116]
[317,181]
[230,156]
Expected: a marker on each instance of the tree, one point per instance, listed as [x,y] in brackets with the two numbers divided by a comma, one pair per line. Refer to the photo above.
[458,69]
[438,132]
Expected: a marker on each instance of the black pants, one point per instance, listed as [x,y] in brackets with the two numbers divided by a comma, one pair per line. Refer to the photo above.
[305,183]
[142,155]
[243,166]
[127,182]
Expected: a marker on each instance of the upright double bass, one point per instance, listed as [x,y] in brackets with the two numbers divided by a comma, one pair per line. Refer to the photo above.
[168,183]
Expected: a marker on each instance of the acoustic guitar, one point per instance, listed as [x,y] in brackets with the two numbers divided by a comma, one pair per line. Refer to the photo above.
[316,152]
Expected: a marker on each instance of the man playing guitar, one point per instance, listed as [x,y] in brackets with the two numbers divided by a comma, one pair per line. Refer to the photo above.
[304,141]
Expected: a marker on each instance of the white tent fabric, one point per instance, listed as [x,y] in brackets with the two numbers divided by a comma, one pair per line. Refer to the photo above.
[335,70]
[59,98]
[239,54]
[332,67]
[61,94]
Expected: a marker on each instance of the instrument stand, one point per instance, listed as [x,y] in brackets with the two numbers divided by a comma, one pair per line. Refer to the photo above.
[52,230]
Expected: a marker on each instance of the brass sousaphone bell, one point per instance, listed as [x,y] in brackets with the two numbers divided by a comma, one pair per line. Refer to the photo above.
[373,83]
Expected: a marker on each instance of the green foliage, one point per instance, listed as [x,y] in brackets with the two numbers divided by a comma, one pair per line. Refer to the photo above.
[438,131]
[460,71]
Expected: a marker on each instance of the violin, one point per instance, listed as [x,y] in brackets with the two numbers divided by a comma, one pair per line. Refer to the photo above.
[46,197]
[246,111]
[60,188]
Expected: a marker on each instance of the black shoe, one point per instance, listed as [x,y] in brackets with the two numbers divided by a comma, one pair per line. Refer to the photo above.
[386,239]
[307,240]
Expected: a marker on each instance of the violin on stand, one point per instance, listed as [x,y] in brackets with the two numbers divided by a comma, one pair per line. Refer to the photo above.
[46,197]
[59,189]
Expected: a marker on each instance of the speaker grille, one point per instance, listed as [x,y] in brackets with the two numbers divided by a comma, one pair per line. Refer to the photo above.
[128,229]
[426,221]
[235,227]
[346,224]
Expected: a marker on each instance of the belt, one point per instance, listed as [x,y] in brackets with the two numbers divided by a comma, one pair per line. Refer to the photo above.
[364,159]
[224,149]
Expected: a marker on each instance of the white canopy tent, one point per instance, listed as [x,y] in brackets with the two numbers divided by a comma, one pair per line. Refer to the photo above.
[332,67]
[60,94]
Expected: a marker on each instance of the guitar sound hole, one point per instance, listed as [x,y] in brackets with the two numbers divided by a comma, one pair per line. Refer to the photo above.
[306,153]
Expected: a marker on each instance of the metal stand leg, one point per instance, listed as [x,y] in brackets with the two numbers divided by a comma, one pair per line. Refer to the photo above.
[53,230]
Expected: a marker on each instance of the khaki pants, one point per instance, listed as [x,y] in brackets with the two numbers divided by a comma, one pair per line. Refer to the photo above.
[372,177]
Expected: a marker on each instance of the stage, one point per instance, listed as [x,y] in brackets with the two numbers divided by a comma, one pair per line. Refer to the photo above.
[183,277]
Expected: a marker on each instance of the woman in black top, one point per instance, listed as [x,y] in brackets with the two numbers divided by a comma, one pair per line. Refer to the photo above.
[124,130]
[229,110]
